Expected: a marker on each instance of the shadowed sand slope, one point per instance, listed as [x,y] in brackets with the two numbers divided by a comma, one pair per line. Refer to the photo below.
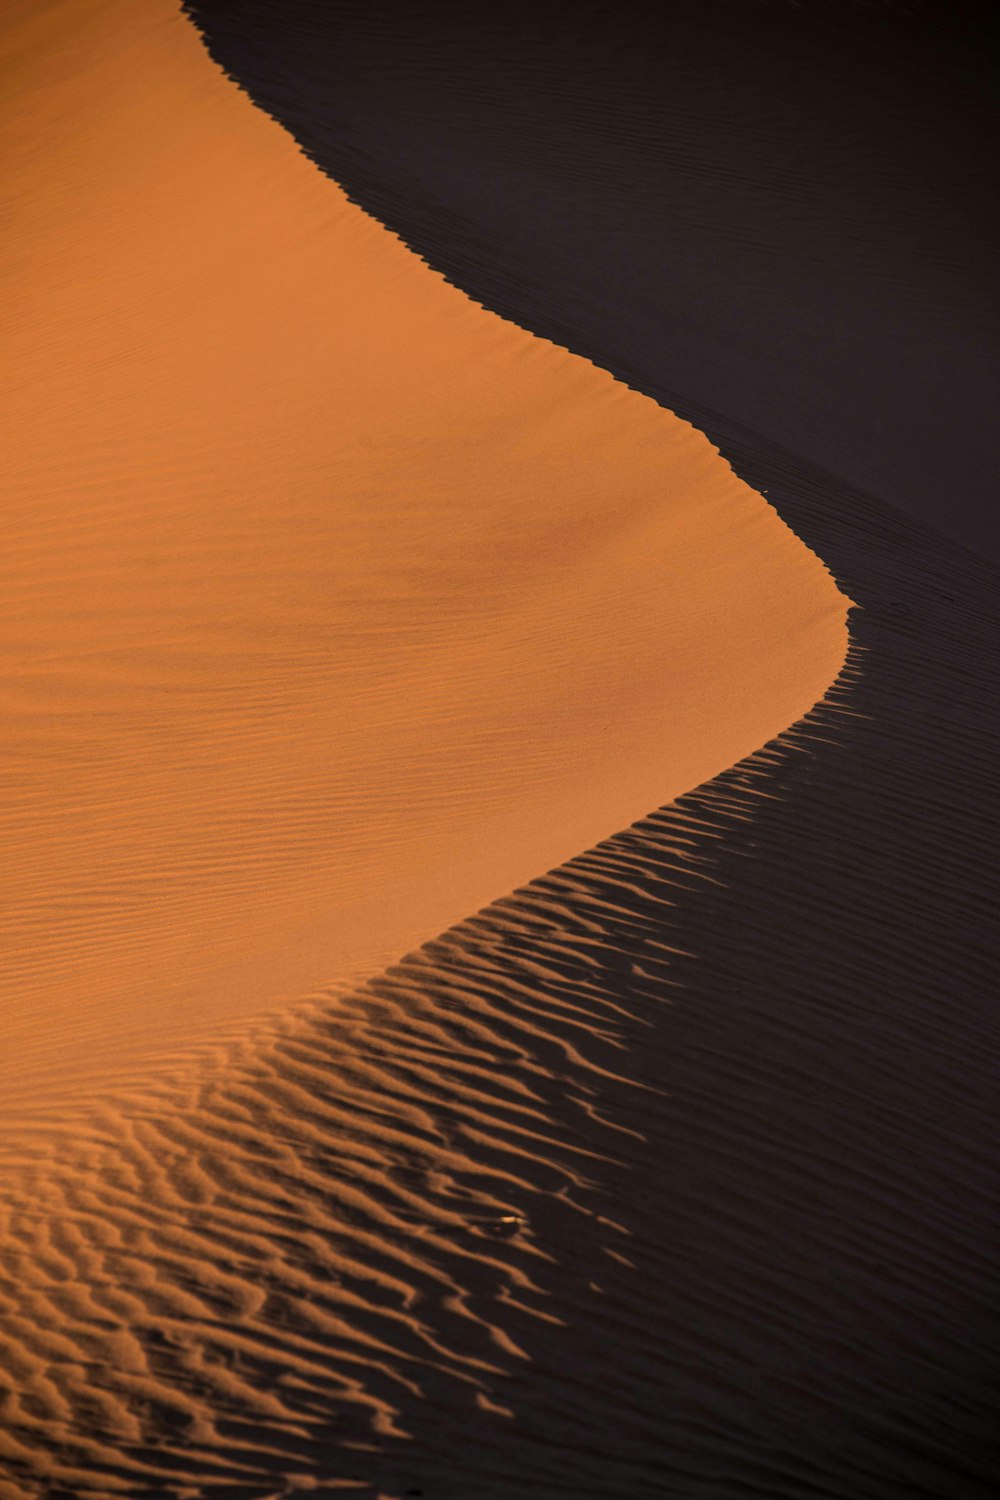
[771,212]
[801,956]
[334,606]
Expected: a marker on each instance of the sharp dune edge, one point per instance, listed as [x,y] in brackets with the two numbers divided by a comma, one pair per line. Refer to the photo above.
[334,606]
[611,1190]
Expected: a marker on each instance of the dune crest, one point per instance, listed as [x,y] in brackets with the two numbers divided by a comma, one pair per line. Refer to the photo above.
[335,607]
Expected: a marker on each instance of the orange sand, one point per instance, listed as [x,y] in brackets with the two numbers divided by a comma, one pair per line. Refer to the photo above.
[333,606]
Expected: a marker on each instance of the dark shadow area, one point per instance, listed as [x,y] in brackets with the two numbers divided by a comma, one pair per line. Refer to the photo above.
[771,217]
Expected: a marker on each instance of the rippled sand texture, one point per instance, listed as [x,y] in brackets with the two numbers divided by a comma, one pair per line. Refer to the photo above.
[802,955]
[334,606]
[608,1192]
[674,1172]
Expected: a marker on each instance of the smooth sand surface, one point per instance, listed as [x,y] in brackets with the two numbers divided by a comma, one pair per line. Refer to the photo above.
[333,606]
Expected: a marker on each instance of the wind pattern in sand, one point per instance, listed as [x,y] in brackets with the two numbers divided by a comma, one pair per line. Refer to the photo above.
[340,607]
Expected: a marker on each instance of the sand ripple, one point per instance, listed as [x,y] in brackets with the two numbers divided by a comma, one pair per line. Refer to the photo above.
[612,1190]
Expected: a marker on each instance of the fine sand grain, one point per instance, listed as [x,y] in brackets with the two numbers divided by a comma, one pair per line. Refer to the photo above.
[334,606]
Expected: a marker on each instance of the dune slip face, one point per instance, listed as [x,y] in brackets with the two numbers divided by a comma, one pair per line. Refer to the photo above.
[770,216]
[815,1223]
[334,606]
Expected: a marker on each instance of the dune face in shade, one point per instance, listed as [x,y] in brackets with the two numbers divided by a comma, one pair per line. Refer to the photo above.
[768,216]
[334,606]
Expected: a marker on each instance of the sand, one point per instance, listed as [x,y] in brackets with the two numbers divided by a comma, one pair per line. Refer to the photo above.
[334,607]
[673,1172]
[783,1281]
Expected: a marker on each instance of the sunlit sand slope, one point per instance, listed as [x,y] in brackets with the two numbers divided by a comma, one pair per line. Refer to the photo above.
[334,607]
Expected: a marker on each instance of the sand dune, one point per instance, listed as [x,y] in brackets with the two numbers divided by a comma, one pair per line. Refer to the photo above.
[801,955]
[334,606]
[672,1173]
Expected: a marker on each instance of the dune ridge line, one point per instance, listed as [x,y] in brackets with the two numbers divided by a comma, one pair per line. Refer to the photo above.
[336,607]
